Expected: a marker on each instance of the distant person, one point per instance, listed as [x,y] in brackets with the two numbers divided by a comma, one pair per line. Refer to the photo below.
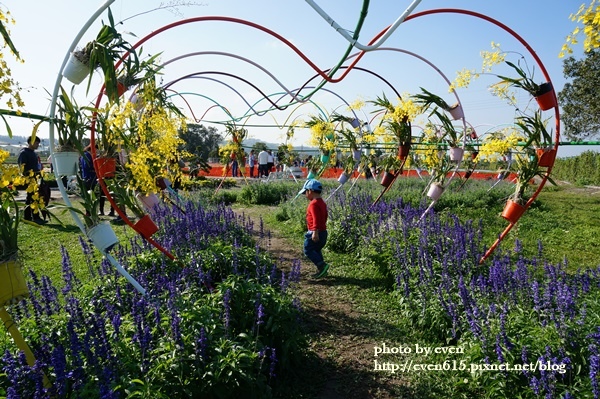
[234,165]
[90,180]
[316,221]
[31,165]
[251,163]
[270,162]
[263,159]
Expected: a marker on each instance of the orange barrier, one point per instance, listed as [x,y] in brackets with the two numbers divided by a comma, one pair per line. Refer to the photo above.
[333,173]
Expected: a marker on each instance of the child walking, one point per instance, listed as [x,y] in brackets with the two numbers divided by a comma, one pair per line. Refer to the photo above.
[316,220]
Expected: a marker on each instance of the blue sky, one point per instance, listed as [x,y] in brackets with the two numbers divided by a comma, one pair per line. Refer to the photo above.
[449,41]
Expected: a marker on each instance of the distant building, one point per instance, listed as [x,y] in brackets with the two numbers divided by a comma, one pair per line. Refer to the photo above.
[12,149]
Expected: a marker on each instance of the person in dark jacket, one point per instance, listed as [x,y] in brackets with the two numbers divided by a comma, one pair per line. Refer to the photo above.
[31,165]
[88,175]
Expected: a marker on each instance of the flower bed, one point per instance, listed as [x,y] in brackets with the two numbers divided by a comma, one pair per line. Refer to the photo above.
[220,321]
[513,310]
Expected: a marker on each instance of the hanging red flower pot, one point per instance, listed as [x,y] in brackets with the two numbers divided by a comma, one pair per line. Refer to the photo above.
[512,211]
[162,183]
[546,156]
[403,151]
[387,179]
[146,226]
[105,167]
[545,96]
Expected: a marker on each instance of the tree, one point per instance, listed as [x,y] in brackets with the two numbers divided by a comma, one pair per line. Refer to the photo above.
[259,146]
[201,141]
[579,98]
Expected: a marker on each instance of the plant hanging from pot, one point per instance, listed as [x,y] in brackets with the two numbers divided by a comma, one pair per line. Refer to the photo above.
[71,122]
[395,124]
[426,99]
[524,80]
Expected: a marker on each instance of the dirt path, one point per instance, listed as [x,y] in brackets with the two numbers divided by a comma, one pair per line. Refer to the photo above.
[339,336]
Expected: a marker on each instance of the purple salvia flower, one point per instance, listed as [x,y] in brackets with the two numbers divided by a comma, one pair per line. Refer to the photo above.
[58,361]
[284,283]
[260,314]
[499,353]
[294,276]
[202,345]
[227,308]
[594,368]
[273,359]
[116,321]
[68,275]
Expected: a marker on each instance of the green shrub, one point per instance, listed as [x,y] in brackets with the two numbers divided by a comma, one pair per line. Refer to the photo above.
[265,194]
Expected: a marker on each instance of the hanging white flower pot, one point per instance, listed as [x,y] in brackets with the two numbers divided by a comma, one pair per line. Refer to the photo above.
[103,236]
[343,178]
[435,191]
[75,70]
[456,154]
[150,201]
[65,163]
[373,172]
[456,111]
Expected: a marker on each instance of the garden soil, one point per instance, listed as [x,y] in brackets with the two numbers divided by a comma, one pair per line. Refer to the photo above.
[341,343]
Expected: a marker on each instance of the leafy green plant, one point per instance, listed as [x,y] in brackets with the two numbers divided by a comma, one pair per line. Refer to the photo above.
[427,99]
[534,128]
[91,205]
[125,196]
[9,226]
[71,123]
[450,133]
[525,80]
[399,126]
[351,136]
[103,52]
[527,168]
[264,194]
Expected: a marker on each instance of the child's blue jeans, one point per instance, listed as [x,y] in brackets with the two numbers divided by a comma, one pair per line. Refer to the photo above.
[312,249]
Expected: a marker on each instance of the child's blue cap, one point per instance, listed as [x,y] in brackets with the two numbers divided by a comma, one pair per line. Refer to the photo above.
[313,185]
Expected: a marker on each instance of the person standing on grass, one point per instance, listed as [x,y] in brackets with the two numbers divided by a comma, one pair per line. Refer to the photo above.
[31,165]
[251,163]
[270,162]
[234,165]
[88,175]
[316,221]
[263,158]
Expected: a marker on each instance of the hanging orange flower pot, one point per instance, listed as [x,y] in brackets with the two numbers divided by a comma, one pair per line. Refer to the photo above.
[545,96]
[387,179]
[546,156]
[512,211]
[162,183]
[146,226]
[105,167]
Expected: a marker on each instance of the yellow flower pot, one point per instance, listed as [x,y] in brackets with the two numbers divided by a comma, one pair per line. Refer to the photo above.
[13,287]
